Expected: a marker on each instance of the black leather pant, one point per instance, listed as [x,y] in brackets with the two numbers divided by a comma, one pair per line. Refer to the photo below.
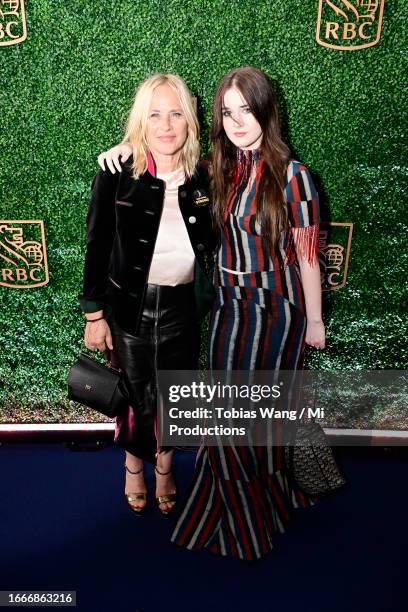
[168,339]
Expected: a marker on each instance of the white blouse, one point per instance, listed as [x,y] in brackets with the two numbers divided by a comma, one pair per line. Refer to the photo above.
[173,257]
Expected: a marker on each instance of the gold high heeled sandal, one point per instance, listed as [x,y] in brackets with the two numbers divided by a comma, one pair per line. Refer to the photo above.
[132,497]
[165,499]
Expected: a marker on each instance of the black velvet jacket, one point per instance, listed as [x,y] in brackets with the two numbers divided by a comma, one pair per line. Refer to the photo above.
[123,221]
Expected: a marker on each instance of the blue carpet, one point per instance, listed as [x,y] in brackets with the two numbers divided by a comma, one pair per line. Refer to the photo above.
[65,526]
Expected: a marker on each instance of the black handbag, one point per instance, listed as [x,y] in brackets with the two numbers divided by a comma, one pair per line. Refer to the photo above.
[98,386]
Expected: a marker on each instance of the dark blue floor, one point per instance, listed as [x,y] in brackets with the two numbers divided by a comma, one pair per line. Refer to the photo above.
[65,525]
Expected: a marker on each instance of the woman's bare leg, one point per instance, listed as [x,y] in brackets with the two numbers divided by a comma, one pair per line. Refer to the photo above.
[165,483]
[135,483]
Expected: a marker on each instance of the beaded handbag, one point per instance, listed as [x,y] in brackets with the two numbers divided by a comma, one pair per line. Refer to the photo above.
[310,460]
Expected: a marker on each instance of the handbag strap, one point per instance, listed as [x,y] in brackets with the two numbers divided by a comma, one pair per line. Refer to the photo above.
[108,354]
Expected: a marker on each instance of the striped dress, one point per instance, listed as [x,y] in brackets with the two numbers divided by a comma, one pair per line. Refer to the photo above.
[240,496]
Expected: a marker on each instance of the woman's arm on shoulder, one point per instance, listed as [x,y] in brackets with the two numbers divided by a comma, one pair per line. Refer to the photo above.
[111,157]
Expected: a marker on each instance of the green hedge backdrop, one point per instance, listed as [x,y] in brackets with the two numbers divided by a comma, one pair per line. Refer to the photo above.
[65,92]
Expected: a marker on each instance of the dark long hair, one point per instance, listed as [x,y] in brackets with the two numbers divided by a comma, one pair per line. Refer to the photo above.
[257,90]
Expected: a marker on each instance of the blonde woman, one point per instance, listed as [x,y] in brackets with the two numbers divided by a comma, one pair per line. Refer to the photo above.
[149,244]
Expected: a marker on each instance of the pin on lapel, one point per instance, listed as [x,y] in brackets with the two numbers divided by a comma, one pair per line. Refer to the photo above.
[200,198]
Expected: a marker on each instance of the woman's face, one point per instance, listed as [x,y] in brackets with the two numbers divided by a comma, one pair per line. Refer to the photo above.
[166,128]
[239,123]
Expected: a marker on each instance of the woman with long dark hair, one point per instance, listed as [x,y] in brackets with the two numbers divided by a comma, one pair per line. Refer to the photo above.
[268,304]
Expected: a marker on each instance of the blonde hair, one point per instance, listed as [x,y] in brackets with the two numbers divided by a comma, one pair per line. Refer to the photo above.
[138,116]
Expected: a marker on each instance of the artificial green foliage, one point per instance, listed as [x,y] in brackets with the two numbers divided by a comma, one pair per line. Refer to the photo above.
[65,93]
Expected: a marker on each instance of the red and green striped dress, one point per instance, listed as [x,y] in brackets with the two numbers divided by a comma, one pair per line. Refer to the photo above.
[240,496]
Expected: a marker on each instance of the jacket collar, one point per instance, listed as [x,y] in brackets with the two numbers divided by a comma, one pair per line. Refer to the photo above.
[150,176]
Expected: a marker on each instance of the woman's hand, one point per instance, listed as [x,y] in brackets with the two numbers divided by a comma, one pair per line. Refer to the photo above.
[111,157]
[315,334]
[98,336]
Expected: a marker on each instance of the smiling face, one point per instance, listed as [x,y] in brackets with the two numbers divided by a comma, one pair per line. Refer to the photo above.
[239,123]
[166,128]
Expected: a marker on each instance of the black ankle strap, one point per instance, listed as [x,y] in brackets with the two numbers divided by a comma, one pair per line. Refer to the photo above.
[130,471]
[162,473]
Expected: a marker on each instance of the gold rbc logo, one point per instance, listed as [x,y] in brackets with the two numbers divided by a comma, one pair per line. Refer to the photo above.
[23,255]
[13,27]
[334,253]
[349,25]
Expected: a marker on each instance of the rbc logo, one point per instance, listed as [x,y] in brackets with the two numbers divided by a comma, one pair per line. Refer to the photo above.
[334,253]
[23,257]
[13,27]
[349,24]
